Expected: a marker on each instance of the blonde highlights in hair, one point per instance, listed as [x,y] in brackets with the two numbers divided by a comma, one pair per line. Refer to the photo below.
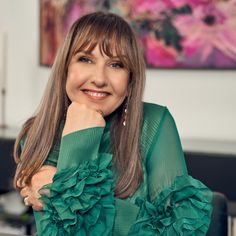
[113,35]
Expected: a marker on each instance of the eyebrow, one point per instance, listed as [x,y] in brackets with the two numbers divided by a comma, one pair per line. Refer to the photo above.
[84,52]
[91,54]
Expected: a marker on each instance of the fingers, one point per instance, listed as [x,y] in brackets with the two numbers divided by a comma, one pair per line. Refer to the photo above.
[35,203]
[26,201]
[37,207]
[25,192]
[30,192]
[81,116]
[20,184]
[31,200]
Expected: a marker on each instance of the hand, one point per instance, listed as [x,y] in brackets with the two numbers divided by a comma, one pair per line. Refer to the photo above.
[80,116]
[30,192]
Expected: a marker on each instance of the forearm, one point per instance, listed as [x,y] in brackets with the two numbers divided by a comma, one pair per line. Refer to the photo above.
[78,147]
[81,188]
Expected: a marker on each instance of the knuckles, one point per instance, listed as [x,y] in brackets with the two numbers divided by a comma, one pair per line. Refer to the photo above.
[76,107]
[84,113]
[24,192]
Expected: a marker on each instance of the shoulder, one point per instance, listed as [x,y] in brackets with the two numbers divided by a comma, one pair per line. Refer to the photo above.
[153,116]
[153,111]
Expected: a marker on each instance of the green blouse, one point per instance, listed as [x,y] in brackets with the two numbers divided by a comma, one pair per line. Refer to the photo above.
[81,201]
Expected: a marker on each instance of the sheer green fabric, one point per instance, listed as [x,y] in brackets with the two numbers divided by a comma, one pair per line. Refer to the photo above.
[177,204]
[80,201]
[166,159]
[181,209]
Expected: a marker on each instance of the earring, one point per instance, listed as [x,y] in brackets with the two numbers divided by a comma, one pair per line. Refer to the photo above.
[125,115]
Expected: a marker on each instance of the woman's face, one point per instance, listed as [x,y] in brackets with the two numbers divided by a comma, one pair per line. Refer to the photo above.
[99,81]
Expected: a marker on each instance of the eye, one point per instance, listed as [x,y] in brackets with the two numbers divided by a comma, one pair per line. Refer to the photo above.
[85,59]
[117,65]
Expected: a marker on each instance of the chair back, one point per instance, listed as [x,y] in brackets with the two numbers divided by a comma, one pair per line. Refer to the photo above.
[219,219]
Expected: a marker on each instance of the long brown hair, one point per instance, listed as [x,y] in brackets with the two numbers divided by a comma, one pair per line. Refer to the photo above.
[110,32]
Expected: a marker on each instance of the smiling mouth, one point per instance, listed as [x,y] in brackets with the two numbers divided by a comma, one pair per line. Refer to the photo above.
[96,94]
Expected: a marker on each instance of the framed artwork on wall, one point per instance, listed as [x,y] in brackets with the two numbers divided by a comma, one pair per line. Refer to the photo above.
[185,34]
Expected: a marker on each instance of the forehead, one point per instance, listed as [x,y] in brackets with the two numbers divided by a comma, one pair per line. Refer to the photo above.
[90,49]
[105,50]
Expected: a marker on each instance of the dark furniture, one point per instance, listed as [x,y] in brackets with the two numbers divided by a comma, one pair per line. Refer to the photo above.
[214,162]
[7,171]
[219,219]
[215,170]
[7,167]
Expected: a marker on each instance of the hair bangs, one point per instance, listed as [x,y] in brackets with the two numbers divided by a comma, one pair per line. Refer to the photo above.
[112,42]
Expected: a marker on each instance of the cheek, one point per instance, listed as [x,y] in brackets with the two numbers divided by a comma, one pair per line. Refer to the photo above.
[67,87]
[121,86]
[71,84]
[69,80]
[73,81]
[125,91]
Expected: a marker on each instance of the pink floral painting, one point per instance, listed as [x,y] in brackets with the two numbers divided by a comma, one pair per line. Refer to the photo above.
[173,33]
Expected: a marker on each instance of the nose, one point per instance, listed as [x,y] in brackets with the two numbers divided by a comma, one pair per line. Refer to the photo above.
[100,76]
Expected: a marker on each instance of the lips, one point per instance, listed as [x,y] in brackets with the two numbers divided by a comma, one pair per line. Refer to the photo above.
[96,94]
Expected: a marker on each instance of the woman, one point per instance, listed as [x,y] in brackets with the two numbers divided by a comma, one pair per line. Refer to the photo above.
[118,163]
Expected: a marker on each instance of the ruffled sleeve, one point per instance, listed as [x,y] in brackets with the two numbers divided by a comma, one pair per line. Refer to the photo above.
[177,204]
[182,209]
[80,201]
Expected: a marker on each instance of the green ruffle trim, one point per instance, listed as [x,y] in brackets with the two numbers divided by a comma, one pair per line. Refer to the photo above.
[81,201]
[183,209]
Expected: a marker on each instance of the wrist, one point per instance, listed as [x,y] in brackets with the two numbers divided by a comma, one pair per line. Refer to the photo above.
[79,146]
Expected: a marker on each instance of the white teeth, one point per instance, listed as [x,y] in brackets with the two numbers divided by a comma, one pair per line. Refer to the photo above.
[96,94]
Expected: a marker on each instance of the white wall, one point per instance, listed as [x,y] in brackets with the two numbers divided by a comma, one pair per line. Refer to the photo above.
[202,102]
